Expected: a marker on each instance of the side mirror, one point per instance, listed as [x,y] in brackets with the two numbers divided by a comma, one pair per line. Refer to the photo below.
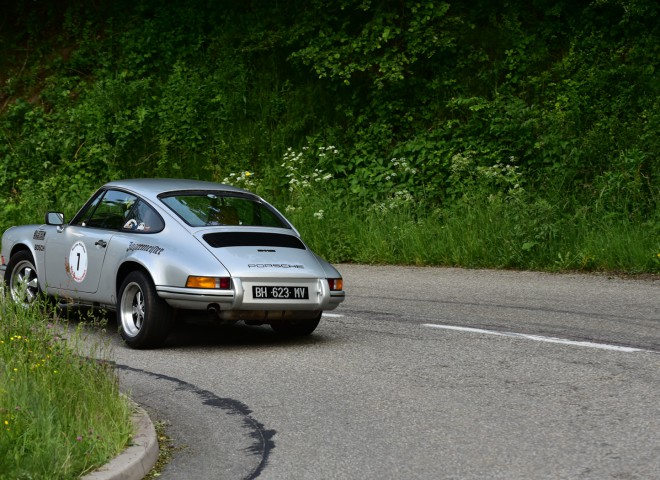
[54,218]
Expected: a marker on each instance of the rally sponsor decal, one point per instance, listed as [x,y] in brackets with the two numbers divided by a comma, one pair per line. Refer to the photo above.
[39,235]
[143,247]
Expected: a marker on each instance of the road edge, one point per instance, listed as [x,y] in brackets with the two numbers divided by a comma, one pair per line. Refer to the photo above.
[138,459]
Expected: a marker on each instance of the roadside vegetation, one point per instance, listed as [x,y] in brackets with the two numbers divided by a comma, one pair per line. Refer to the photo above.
[61,414]
[474,133]
[519,134]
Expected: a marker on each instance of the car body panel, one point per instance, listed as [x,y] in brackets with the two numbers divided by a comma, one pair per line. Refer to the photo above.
[73,259]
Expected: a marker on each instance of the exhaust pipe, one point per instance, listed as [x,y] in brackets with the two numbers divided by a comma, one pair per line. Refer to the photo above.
[213,311]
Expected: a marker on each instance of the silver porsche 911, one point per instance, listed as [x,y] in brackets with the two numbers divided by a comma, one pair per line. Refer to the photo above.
[147,247]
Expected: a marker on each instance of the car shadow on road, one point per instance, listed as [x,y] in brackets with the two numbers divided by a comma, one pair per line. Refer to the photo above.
[191,332]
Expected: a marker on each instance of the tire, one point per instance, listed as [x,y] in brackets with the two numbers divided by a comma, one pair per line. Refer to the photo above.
[21,278]
[144,319]
[296,328]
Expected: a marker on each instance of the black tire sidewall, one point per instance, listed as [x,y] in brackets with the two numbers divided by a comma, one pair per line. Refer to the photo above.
[158,314]
[17,258]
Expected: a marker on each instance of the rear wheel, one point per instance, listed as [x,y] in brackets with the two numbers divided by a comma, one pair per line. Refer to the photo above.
[144,318]
[21,278]
[296,328]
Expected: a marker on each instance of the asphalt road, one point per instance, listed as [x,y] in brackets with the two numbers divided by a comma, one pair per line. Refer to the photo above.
[422,373]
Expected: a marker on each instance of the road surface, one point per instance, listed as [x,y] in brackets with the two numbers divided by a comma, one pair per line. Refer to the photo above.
[423,373]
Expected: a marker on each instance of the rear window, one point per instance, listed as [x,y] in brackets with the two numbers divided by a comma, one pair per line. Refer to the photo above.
[201,209]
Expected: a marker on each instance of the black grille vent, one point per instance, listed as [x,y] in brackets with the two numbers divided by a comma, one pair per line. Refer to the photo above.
[253,239]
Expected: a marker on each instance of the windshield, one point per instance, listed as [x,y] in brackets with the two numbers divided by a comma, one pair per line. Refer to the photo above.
[200,209]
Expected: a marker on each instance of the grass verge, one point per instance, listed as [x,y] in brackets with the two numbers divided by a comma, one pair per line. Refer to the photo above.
[478,234]
[61,414]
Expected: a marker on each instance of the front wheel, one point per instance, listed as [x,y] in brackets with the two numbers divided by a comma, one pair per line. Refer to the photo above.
[296,328]
[144,318]
[21,278]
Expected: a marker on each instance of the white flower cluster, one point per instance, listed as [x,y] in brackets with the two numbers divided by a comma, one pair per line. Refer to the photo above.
[461,162]
[324,150]
[244,179]
[500,175]
[402,164]
[507,176]
[319,215]
[498,170]
[399,199]
[294,163]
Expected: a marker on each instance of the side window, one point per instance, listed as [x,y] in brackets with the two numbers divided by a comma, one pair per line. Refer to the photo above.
[108,211]
[82,216]
[143,218]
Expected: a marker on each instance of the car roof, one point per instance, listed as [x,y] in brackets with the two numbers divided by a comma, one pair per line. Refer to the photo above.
[152,187]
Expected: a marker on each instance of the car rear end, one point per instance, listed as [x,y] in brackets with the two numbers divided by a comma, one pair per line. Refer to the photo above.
[273,276]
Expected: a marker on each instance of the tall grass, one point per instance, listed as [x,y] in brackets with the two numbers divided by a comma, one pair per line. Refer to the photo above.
[476,233]
[61,414]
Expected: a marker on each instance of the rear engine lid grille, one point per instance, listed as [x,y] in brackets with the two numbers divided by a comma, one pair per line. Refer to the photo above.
[252,239]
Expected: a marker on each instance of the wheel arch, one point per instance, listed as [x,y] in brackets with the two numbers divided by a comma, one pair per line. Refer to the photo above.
[125,269]
[22,247]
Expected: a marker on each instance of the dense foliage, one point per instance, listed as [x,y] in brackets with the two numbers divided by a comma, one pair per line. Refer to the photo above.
[539,116]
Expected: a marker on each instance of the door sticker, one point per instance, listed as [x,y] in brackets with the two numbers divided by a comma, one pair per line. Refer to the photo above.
[78,262]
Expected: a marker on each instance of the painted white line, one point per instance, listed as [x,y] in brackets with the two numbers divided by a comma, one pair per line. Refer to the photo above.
[335,315]
[539,338]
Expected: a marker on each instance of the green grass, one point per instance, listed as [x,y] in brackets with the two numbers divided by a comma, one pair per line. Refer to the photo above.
[477,234]
[61,414]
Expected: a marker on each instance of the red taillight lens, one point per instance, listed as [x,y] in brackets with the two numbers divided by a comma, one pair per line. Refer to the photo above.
[336,283]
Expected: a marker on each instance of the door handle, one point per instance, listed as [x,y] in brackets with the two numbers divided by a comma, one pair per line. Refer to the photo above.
[101,243]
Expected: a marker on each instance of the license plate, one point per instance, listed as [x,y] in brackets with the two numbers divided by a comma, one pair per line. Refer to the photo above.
[280,293]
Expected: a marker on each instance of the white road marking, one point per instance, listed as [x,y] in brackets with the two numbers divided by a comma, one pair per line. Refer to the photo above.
[336,315]
[539,338]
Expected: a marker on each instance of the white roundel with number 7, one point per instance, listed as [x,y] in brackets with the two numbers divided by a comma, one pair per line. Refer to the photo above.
[78,262]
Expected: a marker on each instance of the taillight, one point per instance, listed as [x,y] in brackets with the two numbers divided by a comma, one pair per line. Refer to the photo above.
[336,283]
[222,283]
